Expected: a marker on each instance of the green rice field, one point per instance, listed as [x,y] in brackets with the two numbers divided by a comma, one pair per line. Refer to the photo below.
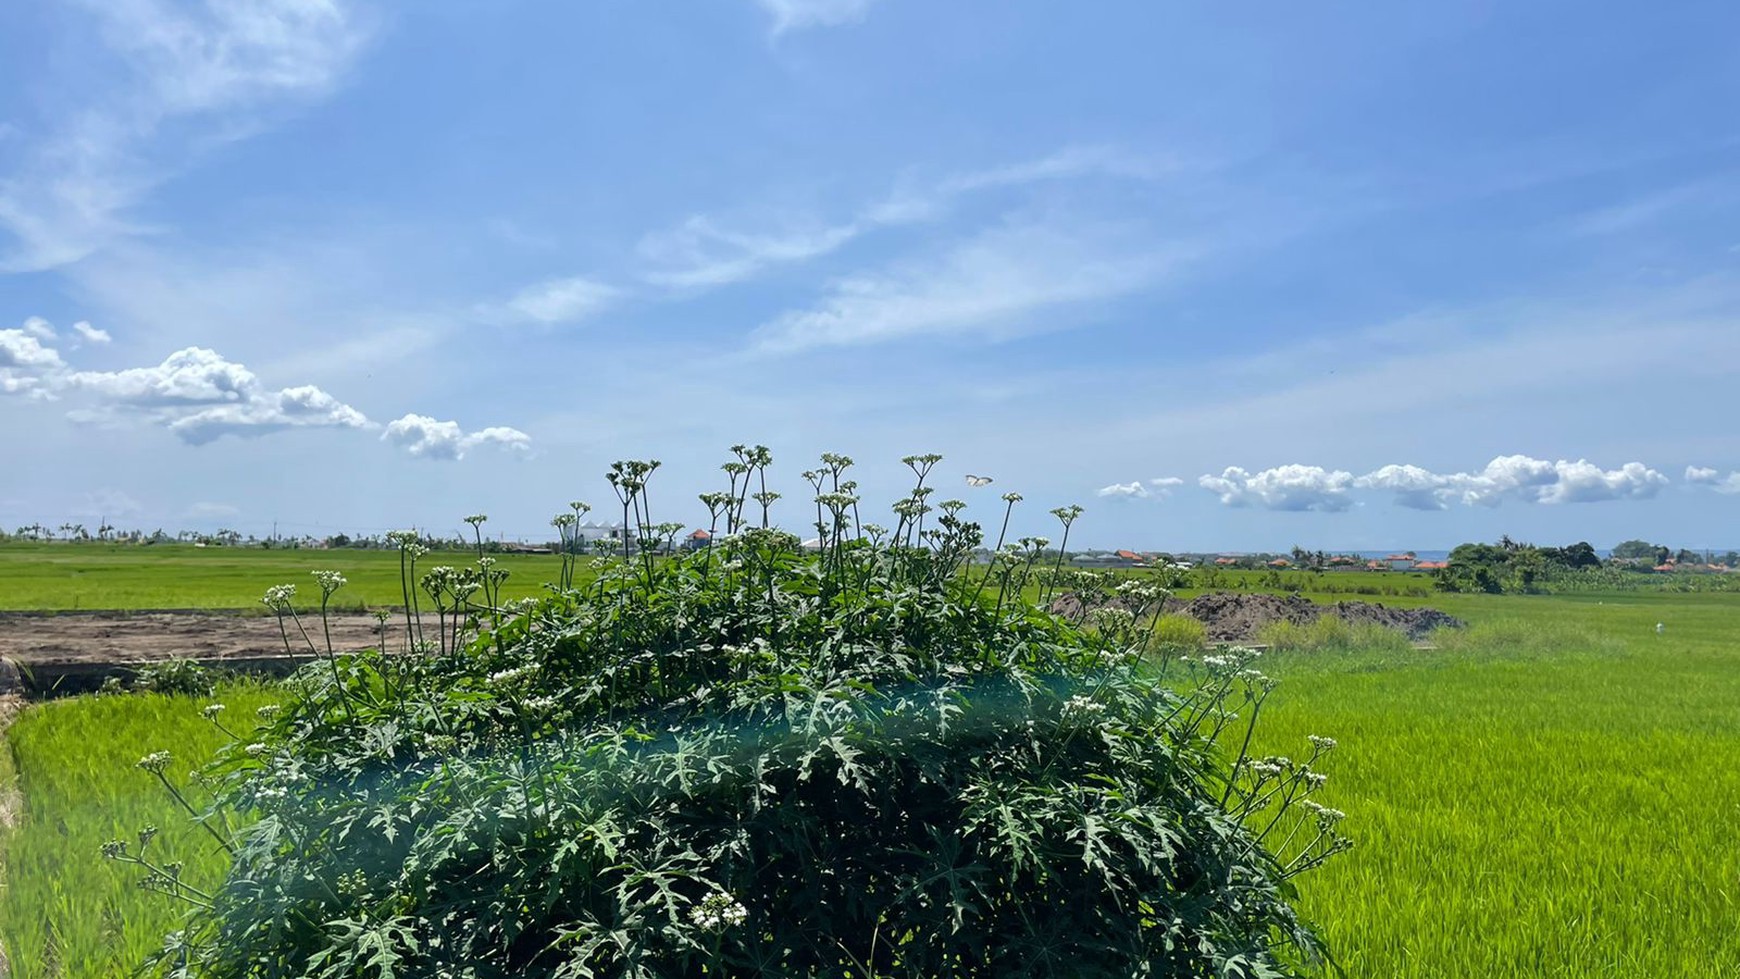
[67,577]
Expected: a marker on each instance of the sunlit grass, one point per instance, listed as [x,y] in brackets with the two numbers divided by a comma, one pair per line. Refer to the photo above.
[60,577]
[1550,793]
[64,910]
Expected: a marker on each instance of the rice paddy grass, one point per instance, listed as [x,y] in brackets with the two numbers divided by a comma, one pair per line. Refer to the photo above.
[1550,794]
[65,911]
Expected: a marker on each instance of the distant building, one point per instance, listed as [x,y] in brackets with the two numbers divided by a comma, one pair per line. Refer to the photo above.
[698,541]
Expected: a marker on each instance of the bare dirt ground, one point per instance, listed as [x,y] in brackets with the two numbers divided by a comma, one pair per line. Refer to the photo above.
[120,637]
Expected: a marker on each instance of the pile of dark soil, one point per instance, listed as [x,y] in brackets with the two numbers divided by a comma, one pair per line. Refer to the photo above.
[1239,616]
[1416,622]
[1235,616]
[1072,607]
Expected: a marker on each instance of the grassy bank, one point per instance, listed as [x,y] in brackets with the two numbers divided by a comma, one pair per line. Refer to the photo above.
[65,911]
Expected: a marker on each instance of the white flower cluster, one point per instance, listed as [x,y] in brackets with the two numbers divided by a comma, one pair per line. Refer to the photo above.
[1272,767]
[329,581]
[278,597]
[511,675]
[268,711]
[1083,706]
[1326,817]
[1321,743]
[212,711]
[1141,591]
[1112,619]
[256,749]
[156,762]
[718,912]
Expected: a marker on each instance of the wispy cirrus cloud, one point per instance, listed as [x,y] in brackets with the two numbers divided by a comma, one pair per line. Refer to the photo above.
[184,77]
[563,300]
[707,251]
[795,15]
[994,283]
[701,254]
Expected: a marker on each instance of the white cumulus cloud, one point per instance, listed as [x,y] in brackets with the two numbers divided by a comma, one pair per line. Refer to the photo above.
[91,334]
[191,376]
[1518,478]
[1713,478]
[429,438]
[1131,490]
[299,407]
[1288,488]
[1136,489]
[200,396]
[23,350]
[27,365]
[1415,488]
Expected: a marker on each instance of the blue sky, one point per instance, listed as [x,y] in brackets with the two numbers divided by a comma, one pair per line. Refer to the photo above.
[1230,276]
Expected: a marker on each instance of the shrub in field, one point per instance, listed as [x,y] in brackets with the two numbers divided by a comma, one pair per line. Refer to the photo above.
[1180,631]
[1330,633]
[757,761]
[177,676]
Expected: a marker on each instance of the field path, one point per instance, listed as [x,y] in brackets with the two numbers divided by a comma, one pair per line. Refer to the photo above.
[138,637]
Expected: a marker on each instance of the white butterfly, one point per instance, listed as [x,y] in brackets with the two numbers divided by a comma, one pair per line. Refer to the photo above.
[978,480]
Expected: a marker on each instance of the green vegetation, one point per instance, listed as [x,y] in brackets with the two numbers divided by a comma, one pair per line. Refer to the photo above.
[753,761]
[60,577]
[63,911]
[1331,634]
[1512,568]
[1551,792]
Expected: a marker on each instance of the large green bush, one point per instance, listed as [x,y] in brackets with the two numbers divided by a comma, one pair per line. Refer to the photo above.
[757,761]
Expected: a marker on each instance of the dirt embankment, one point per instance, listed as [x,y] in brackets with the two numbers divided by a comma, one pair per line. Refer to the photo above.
[1240,616]
[119,637]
